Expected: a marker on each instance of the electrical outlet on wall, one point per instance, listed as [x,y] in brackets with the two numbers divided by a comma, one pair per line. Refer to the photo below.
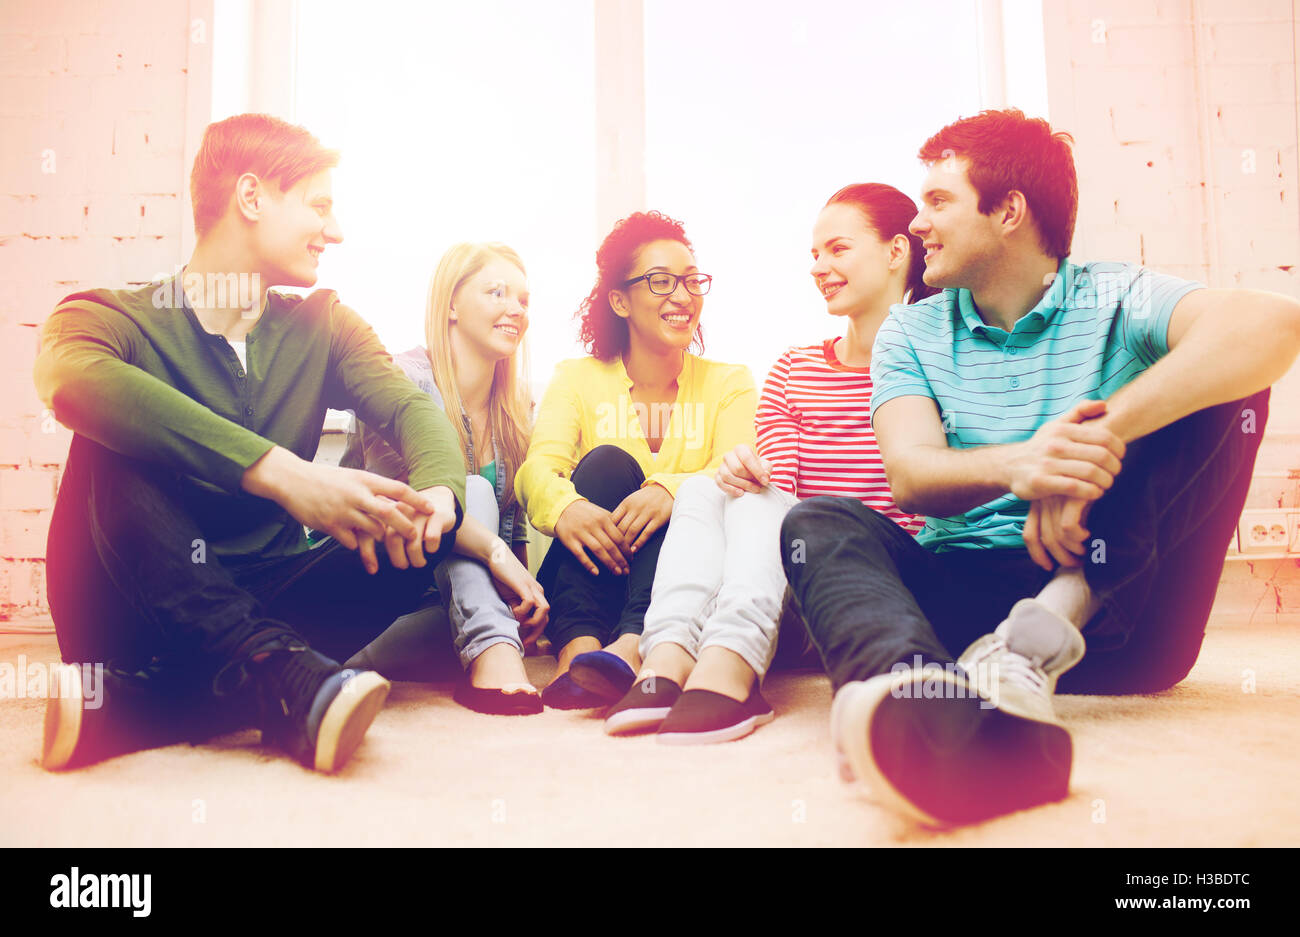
[1265,531]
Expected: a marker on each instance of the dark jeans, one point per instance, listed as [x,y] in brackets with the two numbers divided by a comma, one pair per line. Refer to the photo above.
[604,606]
[128,587]
[873,597]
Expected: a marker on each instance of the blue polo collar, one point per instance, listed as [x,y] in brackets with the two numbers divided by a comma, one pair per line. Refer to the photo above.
[1054,298]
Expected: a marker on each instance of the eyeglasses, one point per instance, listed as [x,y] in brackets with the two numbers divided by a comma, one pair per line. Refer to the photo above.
[665,284]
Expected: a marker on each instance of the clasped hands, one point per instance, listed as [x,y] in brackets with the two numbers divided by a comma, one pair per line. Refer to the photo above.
[359,509]
[614,536]
[1061,470]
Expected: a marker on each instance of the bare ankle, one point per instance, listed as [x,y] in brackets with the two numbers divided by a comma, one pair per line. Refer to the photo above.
[723,671]
[571,650]
[628,647]
[498,666]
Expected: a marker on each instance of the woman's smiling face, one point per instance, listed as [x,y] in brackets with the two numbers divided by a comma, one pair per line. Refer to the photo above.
[850,261]
[654,321]
[490,309]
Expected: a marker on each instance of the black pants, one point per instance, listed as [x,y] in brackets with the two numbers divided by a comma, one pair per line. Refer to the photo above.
[129,587]
[873,597]
[604,606]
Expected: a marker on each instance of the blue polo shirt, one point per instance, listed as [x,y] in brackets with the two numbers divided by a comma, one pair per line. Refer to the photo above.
[1098,326]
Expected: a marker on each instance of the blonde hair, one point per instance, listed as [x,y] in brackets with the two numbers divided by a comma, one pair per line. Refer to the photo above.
[509,398]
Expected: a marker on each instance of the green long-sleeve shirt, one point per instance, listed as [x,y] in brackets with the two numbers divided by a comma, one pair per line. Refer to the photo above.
[135,371]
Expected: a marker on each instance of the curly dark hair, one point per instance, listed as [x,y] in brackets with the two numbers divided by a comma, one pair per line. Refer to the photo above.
[604,333]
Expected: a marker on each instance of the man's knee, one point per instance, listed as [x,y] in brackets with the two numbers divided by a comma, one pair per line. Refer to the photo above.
[1139,666]
[810,522]
[826,516]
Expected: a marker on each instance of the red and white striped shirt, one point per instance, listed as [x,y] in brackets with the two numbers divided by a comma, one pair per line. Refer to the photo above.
[814,427]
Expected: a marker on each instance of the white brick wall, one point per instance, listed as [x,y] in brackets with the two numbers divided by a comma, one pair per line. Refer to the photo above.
[1131,99]
[1192,170]
[98,94]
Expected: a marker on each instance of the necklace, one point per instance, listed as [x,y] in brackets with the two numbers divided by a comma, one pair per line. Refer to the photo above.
[480,434]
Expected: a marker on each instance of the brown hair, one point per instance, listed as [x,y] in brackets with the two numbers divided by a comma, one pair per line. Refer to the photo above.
[1008,150]
[270,148]
[889,212]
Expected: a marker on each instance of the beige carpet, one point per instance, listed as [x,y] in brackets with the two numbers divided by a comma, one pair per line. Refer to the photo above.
[1206,764]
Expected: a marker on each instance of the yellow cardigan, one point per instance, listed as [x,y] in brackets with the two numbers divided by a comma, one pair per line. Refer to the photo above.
[589,404]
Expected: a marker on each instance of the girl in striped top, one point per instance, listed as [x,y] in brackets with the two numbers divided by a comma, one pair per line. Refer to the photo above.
[711,629]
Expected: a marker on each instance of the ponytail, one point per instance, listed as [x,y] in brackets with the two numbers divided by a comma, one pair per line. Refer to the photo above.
[889,212]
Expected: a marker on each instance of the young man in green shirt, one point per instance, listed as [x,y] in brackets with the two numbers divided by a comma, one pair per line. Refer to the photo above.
[177,557]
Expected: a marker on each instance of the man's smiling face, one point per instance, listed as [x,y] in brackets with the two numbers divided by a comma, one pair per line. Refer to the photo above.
[960,243]
[294,228]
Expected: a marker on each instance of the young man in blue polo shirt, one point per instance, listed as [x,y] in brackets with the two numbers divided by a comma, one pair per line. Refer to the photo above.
[1080,439]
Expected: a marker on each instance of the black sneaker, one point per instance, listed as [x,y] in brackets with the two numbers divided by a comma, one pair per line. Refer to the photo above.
[315,710]
[702,716]
[642,707]
[94,713]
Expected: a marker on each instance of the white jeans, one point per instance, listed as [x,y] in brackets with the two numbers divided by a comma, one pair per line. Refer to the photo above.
[719,582]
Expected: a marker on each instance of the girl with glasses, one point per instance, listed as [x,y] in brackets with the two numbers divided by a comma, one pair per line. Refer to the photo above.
[617,434]
[475,319]
[711,629]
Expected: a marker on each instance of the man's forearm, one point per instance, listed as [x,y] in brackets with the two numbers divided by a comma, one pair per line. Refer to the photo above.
[1219,360]
[269,475]
[942,482]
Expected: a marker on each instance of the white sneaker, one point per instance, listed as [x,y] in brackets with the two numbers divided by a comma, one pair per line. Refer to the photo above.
[1017,666]
[926,745]
[63,717]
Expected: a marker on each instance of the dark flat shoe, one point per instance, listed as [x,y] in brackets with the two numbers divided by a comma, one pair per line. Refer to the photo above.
[702,716]
[605,674]
[642,707]
[497,702]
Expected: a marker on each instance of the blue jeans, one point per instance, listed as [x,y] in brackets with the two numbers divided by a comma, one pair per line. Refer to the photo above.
[873,597]
[465,607]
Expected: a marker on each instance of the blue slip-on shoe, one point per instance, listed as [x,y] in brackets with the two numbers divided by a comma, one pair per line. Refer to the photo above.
[563,693]
[604,674]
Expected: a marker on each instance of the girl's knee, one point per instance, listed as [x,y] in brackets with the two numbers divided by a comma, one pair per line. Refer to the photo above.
[481,501]
[699,490]
[605,459]
[607,474]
